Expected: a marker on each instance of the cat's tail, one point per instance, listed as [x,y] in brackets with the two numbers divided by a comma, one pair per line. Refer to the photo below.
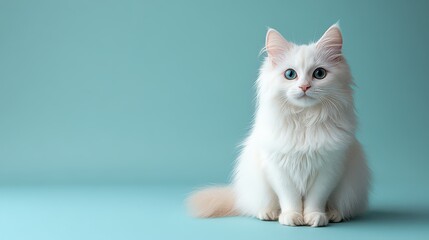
[212,202]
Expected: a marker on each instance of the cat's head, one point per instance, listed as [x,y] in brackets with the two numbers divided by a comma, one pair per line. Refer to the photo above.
[306,75]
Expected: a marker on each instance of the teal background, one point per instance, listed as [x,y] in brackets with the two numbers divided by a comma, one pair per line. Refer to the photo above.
[109,109]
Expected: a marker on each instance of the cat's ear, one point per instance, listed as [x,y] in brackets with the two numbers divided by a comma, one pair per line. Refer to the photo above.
[276,46]
[332,42]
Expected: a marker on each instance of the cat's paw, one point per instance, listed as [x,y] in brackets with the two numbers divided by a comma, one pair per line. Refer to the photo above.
[316,219]
[269,215]
[334,215]
[291,219]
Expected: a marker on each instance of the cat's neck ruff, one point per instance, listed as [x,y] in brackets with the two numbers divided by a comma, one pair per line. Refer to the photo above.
[282,127]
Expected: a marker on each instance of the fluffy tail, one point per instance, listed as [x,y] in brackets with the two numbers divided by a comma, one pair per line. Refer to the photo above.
[212,202]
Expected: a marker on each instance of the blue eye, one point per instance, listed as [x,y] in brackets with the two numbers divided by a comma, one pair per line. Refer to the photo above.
[290,74]
[319,73]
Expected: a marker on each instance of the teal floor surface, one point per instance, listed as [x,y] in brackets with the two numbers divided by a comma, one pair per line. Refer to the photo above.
[143,212]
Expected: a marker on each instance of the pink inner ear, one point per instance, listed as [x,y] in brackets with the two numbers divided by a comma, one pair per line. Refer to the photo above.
[332,42]
[276,46]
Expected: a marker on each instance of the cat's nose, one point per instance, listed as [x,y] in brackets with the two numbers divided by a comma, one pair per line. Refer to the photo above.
[305,87]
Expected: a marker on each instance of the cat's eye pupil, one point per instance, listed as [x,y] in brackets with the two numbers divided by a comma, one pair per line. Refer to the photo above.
[319,73]
[290,74]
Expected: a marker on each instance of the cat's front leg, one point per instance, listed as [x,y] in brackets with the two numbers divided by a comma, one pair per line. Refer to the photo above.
[316,198]
[290,199]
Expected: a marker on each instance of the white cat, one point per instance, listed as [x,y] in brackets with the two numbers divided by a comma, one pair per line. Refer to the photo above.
[301,163]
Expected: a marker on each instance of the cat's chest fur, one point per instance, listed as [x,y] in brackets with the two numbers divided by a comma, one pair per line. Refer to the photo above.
[298,138]
[300,149]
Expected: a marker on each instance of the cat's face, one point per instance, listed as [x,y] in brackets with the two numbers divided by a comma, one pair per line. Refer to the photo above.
[308,75]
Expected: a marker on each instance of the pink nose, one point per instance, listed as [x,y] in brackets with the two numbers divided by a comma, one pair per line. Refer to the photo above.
[305,87]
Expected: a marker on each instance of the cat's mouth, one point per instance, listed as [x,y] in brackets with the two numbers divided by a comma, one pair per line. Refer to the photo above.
[302,99]
[305,100]
[305,96]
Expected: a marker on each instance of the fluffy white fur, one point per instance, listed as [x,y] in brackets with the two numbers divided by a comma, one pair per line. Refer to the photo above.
[301,163]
